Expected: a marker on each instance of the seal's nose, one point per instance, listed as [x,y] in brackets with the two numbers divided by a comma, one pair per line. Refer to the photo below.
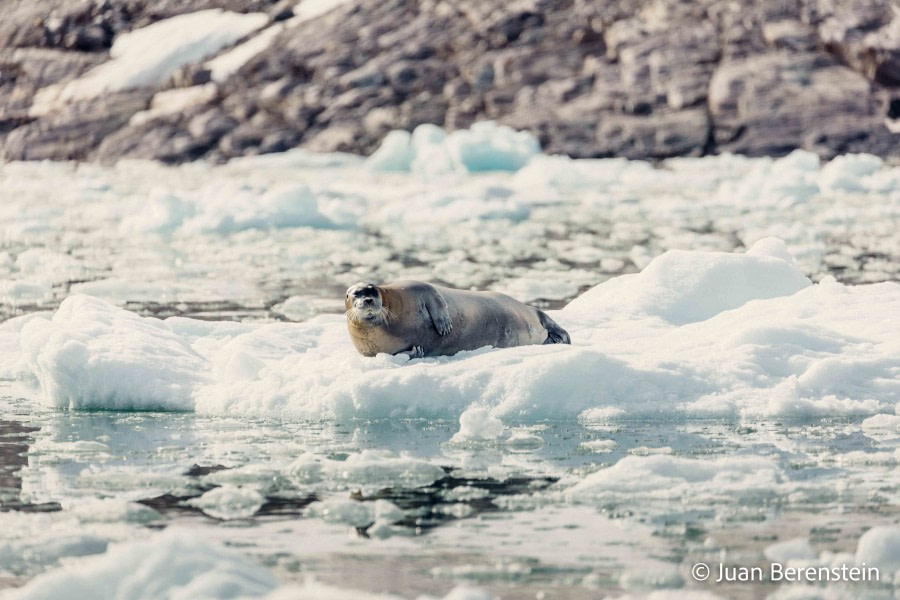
[368,301]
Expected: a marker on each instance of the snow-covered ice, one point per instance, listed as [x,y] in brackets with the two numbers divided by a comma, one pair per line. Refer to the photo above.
[173,356]
[147,57]
[226,64]
[694,333]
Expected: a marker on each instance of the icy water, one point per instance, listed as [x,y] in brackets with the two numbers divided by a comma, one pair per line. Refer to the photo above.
[496,516]
[282,237]
[733,402]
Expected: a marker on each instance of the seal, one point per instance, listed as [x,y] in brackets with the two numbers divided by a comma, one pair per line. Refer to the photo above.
[421,319]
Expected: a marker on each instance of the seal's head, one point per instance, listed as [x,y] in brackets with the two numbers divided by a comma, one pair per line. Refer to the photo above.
[365,306]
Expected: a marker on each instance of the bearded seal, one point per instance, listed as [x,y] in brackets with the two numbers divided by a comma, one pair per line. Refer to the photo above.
[421,319]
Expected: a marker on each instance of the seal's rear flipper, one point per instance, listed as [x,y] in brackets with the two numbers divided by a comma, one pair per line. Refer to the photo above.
[555,333]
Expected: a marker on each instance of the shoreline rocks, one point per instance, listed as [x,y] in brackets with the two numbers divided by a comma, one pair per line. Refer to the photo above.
[650,80]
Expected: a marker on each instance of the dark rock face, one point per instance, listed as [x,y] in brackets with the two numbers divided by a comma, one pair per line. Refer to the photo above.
[646,79]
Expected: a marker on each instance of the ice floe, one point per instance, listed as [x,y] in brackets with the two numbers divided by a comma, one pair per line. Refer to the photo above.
[430,151]
[170,566]
[706,333]
[176,565]
[82,360]
[229,502]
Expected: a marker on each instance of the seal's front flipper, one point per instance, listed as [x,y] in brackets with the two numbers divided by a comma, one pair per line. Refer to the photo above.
[414,352]
[438,311]
[555,333]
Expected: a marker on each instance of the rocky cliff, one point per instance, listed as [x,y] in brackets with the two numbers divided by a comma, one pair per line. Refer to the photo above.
[640,79]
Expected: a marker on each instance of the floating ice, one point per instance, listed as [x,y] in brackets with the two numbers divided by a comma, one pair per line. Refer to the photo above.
[882,426]
[529,289]
[94,355]
[394,154]
[488,146]
[111,510]
[880,547]
[377,516]
[687,287]
[373,468]
[477,424]
[46,549]
[348,512]
[230,502]
[438,211]
[304,470]
[599,446]
[284,206]
[147,57]
[702,332]
[388,512]
[16,293]
[788,550]
[649,579]
[171,565]
[430,151]
[649,451]
[848,172]
[663,477]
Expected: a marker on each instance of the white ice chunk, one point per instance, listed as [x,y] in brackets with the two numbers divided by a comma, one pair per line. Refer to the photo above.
[686,287]
[487,146]
[349,512]
[18,293]
[174,565]
[288,205]
[666,477]
[374,468]
[845,173]
[230,502]
[477,424]
[880,548]
[599,446]
[92,354]
[431,152]
[394,154]
[147,57]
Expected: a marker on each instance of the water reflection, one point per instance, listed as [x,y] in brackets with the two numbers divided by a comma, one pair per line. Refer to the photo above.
[14,443]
